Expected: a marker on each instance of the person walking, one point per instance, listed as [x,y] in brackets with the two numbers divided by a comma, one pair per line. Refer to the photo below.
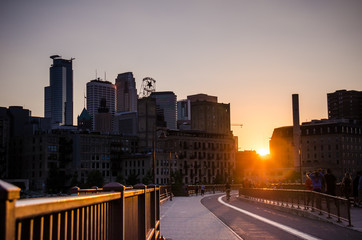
[347,185]
[317,180]
[330,182]
[202,190]
[308,182]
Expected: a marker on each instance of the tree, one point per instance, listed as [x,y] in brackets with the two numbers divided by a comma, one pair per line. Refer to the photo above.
[132,179]
[56,181]
[148,178]
[94,178]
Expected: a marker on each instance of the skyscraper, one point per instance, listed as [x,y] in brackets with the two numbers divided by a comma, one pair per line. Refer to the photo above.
[166,102]
[126,92]
[96,91]
[58,104]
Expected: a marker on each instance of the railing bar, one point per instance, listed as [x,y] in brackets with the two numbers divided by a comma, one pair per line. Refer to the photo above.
[87,224]
[71,224]
[66,225]
[31,229]
[41,236]
[77,224]
[82,223]
[106,216]
[51,227]
[98,221]
[59,224]
[19,230]
[91,222]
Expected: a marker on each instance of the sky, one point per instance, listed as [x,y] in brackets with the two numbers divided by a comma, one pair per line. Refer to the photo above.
[252,54]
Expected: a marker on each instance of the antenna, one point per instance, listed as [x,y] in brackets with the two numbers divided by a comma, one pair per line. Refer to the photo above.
[105,76]
[96,74]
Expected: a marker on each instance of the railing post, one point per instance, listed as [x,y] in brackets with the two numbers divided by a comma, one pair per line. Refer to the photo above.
[155,202]
[116,224]
[8,196]
[142,211]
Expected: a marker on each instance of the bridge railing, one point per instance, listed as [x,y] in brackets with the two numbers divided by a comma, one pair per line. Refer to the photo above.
[113,212]
[212,188]
[332,206]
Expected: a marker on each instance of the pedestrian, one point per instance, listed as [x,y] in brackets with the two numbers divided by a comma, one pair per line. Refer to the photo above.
[330,182]
[202,190]
[317,180]
[308,182]
[355,189]
[347,185]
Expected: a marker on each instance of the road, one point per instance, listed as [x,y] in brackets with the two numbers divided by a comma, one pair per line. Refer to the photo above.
[253,222]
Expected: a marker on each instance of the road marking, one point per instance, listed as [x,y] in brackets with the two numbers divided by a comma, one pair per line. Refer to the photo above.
[275,224]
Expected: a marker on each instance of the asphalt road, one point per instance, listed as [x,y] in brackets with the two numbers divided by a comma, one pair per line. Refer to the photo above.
[253,222]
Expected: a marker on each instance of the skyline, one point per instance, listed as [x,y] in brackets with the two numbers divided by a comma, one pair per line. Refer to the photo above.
[251,54]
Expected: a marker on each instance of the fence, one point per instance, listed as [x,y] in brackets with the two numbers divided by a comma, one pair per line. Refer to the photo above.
[195,189]
[113,212]
[301,199]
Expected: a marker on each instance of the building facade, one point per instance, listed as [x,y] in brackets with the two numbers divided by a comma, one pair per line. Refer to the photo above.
[344,104]
[58,104]
[198,157]
[333,144]
[210,117]
[98,91]
[126,92]
[166,103]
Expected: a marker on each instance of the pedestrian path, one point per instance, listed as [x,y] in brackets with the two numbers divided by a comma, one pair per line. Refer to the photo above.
[186,218]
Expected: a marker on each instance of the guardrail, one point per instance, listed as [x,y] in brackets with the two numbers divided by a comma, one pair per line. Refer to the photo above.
[196,189]
[301,199]
[113,212]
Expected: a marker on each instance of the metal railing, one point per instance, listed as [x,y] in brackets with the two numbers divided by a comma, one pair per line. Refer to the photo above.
[196,189]
[113,212]
[332,206]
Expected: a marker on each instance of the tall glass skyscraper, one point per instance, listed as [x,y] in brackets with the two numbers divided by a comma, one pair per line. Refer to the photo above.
[58,104]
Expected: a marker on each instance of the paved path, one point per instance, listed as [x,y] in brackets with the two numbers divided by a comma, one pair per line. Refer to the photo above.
[186,218]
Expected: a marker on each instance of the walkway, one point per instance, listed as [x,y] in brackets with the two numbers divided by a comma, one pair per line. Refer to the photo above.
[186,218]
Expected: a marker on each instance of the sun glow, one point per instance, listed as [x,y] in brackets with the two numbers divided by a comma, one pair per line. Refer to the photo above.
[263,152]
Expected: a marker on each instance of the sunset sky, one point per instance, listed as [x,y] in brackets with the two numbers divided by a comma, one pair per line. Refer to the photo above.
[252,54]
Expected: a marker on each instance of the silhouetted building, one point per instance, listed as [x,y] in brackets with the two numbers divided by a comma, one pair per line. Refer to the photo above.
[202,97]
[58,104]
[209,116]
[282,148]
[197,156]
[96,91]
[103,119]
[126,92]
[166,105]
[85,121]
[331,143]
[184,114]
[146,123]
[4,141]
[344,104]
[126,123]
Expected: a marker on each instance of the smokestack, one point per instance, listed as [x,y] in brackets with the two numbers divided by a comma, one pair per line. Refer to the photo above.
[296,132]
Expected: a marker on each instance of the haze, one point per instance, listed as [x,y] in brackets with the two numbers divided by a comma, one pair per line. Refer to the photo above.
[252,54]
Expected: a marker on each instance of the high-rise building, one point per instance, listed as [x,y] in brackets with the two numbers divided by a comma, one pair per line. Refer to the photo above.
[96,91]
[344,104]
[166,102]
[208,115]
[184,114]
[126,92]
[58,104]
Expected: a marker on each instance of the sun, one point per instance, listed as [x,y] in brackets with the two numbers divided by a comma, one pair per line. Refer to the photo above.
[263,152]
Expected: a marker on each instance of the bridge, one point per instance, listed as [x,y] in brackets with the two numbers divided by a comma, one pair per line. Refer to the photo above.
[141,212]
